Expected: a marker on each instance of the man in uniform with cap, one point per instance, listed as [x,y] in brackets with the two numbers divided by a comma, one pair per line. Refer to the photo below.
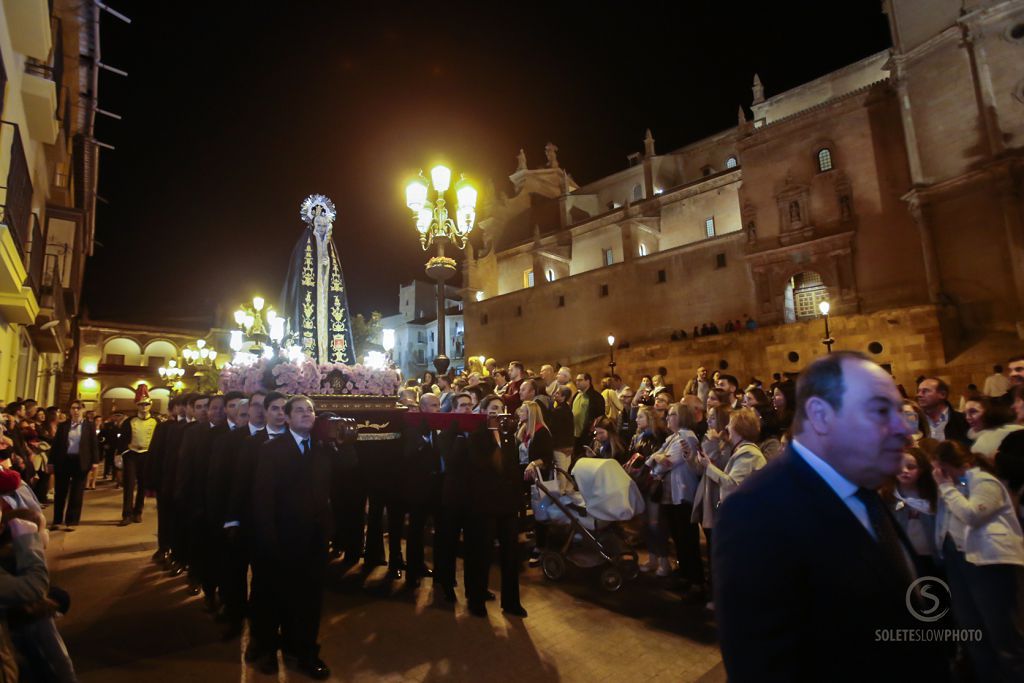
[136,435]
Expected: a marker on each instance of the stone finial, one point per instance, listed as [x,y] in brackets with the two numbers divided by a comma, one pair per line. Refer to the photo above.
[649,144]
[551,152]
[758,90]
[521,160]
[742,117]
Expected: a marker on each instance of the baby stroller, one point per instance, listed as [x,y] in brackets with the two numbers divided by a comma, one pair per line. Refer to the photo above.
[598,494]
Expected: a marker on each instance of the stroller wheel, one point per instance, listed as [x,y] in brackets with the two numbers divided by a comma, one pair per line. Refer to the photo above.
[630,567]
[552,564]
[611,579]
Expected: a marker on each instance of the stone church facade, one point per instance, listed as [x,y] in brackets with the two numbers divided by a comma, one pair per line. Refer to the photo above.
[893,188]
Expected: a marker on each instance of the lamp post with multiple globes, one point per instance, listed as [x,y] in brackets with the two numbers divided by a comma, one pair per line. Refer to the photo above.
[828,341]
[259,328]
[199,356]
[437,228]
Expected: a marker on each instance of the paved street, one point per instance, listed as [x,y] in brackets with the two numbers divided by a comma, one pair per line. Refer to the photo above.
[130,622]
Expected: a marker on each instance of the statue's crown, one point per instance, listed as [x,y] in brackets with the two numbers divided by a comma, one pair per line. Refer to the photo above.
[312,201]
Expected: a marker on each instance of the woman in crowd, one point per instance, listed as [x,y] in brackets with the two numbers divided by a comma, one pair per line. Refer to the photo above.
[989,424]
[612,402]
[915,418]
[746,457]
[651,433]
[718,449]
[537,453]
[983,551]
[913,500]
[607,443]
[784,401]
[428,383]
[674,464]
[719,397]
[758,401]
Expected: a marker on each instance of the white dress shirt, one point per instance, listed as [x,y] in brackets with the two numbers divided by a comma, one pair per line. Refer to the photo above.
[74,438]
[299,439]
[843,487]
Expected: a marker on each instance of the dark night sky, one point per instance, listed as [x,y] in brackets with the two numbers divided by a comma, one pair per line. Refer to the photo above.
[233,114]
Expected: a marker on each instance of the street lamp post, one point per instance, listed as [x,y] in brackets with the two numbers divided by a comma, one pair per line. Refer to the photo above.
[828,341]
[611,354]
[436,227]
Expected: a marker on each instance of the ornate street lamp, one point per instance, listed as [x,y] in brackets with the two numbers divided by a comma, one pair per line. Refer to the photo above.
[171,372]
[611,354]
[828,341]
[199,356]
[260,331]
[436,227]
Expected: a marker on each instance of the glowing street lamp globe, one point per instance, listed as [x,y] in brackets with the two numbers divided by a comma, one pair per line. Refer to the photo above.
[824,307]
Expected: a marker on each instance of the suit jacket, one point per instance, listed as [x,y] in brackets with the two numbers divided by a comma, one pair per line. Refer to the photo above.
[169,452]
[157,453]
[194,467]
[239,507]
[454,447]
[957,427]
[801,586]
[291,504]
[493,477]
[223,460]
[88,448]
[421,465]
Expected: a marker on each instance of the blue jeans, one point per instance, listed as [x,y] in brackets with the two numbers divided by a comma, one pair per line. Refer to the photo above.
[988,597]
[655,533]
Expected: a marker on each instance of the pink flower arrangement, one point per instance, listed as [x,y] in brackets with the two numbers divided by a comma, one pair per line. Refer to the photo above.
[306,377]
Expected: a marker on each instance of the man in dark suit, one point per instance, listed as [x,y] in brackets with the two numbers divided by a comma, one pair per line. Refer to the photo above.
[809,565]
[587,406]
[944,423]
[495,485]
[75,453]
[224,454]
[195,462]
[160,475]
[292,520]
[196,412]
[266,421]
[422,478]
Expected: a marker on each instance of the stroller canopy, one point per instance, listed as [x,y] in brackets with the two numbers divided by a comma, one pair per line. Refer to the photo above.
[609,493]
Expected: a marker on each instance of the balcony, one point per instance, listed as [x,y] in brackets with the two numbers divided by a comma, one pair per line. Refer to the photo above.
[15,209]
[40,85]
[52,330]
[28,25]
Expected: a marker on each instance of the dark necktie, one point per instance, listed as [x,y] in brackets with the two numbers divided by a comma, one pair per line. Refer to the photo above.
[305,446]
[885,532]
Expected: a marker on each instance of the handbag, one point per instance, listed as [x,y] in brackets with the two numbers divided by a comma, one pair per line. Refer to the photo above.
[118,461]
[657,488]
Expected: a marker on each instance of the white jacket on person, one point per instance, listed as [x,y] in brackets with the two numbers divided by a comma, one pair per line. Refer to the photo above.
[991,531]
[744,461]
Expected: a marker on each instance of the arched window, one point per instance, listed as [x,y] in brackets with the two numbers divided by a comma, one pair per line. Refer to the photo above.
[550,275]
[731,162]
[643,249]
[824,159]
[638,193]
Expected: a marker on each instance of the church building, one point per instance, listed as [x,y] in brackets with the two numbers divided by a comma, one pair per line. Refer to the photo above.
[892,188]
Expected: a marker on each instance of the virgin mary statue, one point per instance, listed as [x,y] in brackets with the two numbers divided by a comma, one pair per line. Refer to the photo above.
[314,291]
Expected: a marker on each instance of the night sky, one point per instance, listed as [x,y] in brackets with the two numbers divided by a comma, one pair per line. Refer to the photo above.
[233,114]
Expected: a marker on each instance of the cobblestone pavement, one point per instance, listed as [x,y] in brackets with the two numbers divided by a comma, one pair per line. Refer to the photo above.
[131,622]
